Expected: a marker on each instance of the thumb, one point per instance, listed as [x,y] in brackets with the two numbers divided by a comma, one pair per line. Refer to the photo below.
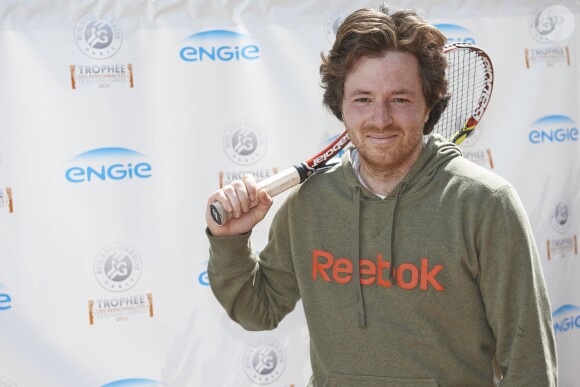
[264,203]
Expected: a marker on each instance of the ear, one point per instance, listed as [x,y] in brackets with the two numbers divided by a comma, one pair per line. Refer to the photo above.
[427,115]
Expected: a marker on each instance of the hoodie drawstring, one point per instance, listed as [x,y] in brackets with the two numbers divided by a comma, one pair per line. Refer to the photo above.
[358,297]
[393,226]
[360,308]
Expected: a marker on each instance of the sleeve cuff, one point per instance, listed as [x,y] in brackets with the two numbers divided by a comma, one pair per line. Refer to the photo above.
[231,254]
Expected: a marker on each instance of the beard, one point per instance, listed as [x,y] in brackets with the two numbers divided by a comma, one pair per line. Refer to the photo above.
[390,156]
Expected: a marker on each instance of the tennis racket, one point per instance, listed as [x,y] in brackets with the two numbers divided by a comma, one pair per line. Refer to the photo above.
[470,82]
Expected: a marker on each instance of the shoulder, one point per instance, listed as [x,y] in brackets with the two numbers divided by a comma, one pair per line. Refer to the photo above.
[484,189]
[324,185]
[470,174]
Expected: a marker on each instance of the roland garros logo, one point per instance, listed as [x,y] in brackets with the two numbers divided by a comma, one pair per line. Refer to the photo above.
[332,21]
[560,216]
[118,267]
[264,361]
[245,142]
[553,23]
[98,35]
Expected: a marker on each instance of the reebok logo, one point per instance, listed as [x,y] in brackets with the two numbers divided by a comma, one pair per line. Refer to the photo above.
[406,275]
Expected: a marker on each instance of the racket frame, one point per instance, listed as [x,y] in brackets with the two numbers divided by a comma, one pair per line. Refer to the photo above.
[472,121]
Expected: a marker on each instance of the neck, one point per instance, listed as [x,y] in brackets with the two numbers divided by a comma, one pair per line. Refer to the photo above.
[382,180]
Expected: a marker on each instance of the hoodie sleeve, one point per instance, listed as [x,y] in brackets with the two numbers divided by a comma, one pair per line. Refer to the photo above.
[514,293]
[255,292]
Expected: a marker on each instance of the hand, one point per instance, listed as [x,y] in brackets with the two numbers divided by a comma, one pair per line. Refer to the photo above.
[241,198]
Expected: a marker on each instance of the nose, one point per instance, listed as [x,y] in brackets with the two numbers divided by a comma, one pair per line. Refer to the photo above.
[381,115]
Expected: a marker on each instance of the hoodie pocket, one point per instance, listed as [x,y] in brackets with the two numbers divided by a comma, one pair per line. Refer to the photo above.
[342,380]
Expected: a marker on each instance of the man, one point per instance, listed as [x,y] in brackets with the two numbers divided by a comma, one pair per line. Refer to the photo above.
[431,275]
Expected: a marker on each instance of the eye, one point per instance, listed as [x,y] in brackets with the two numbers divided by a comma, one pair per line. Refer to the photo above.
[362,100]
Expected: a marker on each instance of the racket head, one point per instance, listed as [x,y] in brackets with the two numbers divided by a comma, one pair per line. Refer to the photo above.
[470,83]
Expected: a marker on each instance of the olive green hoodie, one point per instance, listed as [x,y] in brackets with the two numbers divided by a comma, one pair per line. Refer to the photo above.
[449,277]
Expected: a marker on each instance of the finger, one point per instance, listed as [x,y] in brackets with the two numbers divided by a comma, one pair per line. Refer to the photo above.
[264,203]
[221,197]
[243,195]
[235,196]
[264,198]
[251,187]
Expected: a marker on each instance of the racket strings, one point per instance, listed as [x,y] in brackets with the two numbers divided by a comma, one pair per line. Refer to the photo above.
[466,80]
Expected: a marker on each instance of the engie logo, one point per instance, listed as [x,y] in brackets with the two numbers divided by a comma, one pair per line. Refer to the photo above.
[135,383]
[105,164]
[554,128]
[566,318]
[202,276]
[5,299]
[455,33]
[219,46]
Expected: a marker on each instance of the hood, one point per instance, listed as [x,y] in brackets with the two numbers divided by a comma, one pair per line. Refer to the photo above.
[437,153]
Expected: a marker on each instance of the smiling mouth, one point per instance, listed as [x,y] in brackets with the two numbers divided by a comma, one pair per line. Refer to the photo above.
[381,138]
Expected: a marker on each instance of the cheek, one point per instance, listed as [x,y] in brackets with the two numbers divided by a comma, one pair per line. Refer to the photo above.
[350,116]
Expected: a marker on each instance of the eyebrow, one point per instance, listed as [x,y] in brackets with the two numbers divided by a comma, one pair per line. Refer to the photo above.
[402,91]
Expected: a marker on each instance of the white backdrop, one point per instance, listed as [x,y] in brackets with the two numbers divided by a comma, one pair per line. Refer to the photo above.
[118,118]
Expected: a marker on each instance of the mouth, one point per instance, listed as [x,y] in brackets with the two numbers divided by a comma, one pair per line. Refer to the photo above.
[382,138]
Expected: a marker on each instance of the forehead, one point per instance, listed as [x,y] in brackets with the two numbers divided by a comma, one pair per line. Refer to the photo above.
[386,70]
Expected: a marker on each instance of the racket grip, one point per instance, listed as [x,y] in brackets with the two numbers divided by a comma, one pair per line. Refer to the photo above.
[274,185]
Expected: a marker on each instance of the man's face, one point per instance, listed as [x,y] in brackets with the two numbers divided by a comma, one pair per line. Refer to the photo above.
[384,109]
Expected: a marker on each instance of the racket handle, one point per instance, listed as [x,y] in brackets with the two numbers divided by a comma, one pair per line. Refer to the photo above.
[274,185]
